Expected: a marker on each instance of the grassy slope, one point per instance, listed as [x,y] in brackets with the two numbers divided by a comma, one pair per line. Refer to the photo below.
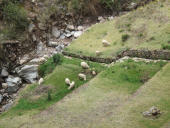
[34,97]
[148,27]
[92,102]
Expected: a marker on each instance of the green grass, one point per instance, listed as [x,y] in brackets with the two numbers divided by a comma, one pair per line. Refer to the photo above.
[113,86]
[147,28]
[55,83]
[130,76]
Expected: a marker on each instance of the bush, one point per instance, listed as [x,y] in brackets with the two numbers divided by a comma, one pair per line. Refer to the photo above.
[125,37]
[166,46]
[15,15]
[57,59]
[115,5]
[49,65]
[49,98]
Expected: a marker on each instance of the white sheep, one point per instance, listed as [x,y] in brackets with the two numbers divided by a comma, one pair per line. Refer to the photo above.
[41,80]
[84,65]
[72,84]
[67,81]
[94,73]
[82,76]
[98,53]
[105,43]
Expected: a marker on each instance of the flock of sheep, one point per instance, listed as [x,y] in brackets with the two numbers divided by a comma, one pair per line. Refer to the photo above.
[81,76]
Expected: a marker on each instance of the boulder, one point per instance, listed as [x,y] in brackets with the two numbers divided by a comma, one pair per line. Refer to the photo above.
[13,84]
[52,43]
[29,73]
[4,85]
[34,37]
[4,72]
[153,111]
[60,47]
[70,27]
[110,18]
[101,19]
[31,27]
[132,6]
[38,60]
[40,47]
[1,98]
[7,106]
[68,35]
[41,26]
[77,34]
[80,28]
[55,32]
[62,36]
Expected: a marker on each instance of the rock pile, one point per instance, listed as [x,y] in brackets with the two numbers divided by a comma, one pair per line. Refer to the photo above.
[152,112]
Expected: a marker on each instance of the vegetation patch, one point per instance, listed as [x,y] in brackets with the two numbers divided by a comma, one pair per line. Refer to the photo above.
[131,75]
[37,97]
[101,98]
[14,18]
[144,26]
[50,65]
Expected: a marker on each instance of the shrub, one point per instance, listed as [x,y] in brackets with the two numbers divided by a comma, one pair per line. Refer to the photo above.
[15,15]
[57,59]
[116,5]
[49,65]
[125,37]
[49,98]
[166,46]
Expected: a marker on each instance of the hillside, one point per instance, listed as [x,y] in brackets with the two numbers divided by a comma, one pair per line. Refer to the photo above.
[146,28]
[75,92]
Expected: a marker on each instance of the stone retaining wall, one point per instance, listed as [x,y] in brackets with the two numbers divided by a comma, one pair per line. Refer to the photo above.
[89,58]
[147,54]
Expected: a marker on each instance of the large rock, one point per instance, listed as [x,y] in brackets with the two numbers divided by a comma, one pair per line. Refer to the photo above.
[4,72]
[31,27]
[59,48]
[1,98]
[77,34]
[29,73]
[55,32]
[70,27]
[13,84]
[7,106]
[52,43]
[40,47]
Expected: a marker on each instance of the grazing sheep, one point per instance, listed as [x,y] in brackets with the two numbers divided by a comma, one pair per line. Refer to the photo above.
[82,76]
[41,80]
[84,65]
[67,81]
[105,43]
[98,53]
[72,84]
[94,73]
